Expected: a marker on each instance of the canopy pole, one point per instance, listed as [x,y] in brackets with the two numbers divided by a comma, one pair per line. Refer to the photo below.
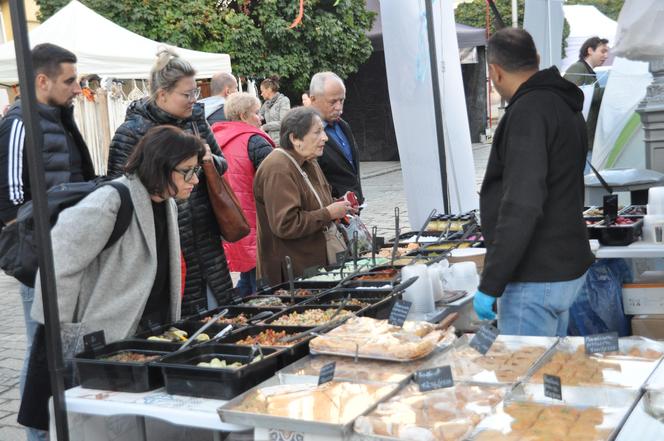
[33,147]
[438,113]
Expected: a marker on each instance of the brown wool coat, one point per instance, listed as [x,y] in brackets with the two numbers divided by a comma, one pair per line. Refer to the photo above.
[290,220]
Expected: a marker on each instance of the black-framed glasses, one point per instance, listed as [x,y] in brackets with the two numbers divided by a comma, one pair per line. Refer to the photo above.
[189,173]
[192,95]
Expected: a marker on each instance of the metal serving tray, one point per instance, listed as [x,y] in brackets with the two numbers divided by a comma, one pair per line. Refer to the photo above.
[616,405]
[347,369]
[632,374]
[645,421]
[261,420]
[483,410]
[464,369]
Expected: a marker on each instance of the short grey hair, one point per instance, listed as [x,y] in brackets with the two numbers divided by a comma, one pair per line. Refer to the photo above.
[317,85]
[238,104]
[297,121]
[167,71]
[220,81]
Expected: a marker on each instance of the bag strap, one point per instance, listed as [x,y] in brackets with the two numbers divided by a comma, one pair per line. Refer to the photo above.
[304,175]
[125,213]
[600,178]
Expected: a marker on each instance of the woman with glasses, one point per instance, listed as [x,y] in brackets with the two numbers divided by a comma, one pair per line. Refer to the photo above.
[172,101]
[133,283]
[245,146]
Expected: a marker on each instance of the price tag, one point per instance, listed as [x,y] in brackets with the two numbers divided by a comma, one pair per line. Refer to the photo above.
[610,208]
[94,341]
[342,256]
[326,373]
[379,242]
[282,435]
[310,272]
[399,312]
[435,378]
[599,343]
[484,339]
[552,387]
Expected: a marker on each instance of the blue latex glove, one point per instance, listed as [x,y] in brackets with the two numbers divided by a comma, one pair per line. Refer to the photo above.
[483,304]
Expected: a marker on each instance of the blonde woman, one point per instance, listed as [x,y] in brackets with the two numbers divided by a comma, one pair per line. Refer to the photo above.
[172,101]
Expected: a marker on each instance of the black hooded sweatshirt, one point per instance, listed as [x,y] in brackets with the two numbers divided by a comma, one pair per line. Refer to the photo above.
[532,195]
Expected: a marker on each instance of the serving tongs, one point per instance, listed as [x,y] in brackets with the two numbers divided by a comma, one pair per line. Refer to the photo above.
[252,321]
[324,327]
[426,224]
[473,228]
[212,321]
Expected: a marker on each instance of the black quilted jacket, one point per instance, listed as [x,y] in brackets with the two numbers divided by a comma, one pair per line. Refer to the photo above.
[199,234]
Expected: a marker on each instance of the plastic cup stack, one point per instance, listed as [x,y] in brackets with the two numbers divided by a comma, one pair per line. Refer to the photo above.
[655,217]
[420,293]
[463,276]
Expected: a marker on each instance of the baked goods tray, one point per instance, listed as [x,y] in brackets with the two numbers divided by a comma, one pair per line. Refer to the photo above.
[612,370]
[509,361]
[313,422]
[596,415]
[450,413]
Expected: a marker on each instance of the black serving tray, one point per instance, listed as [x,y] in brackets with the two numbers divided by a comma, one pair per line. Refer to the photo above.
[315,287]
[287,354]
[355,309]
[380,301]
[233,311]
[183,377]
[185,325]
[122,376]
[286,300]
[619,235]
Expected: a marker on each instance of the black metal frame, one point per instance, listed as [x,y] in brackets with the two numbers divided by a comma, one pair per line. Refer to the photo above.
[33,149]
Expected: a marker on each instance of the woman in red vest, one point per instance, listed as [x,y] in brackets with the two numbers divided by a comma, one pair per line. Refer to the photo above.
[244,146]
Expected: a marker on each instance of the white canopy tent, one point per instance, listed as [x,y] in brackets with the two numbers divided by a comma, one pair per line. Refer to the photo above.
[104,48]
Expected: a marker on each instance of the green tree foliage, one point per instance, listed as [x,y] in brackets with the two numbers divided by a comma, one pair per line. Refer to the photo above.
[253,32]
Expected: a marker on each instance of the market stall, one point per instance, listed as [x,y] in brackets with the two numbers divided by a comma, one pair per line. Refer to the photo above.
[348,353]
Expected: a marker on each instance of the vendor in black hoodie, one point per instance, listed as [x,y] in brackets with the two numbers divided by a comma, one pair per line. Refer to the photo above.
[532,195]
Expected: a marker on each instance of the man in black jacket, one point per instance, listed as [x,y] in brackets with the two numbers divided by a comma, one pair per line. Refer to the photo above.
[532,195]
[66,156]
[341,160]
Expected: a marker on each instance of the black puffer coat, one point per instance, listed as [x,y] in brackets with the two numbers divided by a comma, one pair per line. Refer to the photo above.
[199,234]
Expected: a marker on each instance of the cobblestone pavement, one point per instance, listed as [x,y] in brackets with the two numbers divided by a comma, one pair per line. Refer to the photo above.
[383,186]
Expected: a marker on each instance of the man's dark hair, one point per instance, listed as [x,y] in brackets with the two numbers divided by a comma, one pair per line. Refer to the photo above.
[513,49]
[157,154]
[47,57]
[297,121]
[592,42]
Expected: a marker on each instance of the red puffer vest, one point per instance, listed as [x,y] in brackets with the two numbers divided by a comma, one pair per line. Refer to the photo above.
[233,138]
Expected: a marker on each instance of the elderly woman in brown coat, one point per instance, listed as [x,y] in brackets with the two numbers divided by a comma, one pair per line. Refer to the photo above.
[291,218]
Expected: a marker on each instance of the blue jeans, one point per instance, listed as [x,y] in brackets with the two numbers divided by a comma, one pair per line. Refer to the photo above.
[537,308]
[28,297]
[247,283]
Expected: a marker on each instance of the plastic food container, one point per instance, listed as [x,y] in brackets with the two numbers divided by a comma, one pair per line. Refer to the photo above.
[96,372]
[182,376]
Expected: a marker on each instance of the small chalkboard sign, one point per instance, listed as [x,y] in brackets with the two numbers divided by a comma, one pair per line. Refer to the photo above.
[326,373]
[342,256]
[378,243]
[552,387]
[399,312]
[484,339]
[599,343]
[94,341]
[310,272]
[435,378]
[610,208]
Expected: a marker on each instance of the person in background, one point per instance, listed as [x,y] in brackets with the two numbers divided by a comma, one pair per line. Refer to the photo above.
[532,195]
[341,160]
[274,108]
[291,217]
[222,85]
[244,146]
[65,154]
[117,289]
[306,101]
[593,53]
[173,101]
